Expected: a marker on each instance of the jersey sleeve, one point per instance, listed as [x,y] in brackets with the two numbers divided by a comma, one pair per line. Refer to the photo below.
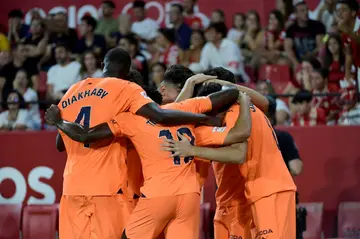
[133,98]
[123,125]
[211,136]
[196,105]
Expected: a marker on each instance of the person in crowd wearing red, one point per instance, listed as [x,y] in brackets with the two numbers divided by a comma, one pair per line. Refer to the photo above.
[349,26]
[168,52]
[238,28]
[306,115]
[319,82]
[350,114]
[334,59]
[304,37]
[189,16]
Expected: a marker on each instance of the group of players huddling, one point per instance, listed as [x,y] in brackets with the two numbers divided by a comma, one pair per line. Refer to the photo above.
[135,168]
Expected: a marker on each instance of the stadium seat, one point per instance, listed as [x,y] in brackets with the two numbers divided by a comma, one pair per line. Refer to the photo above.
[205,220]
[313,220]
[10,217]
[349,219]
[39,221]
[279,75]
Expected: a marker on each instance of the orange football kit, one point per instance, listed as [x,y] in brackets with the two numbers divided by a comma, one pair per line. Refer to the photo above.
[93,204]
[256,198]
[170,196]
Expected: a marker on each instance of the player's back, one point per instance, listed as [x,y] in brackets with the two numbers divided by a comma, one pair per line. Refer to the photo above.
[163,175]
[95,169]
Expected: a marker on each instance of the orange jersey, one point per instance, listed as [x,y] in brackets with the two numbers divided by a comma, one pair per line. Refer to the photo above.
[134,172]
[264,171]
[98,168]
[163,175]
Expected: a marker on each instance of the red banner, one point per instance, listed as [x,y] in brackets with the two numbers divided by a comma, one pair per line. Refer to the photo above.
[157,9]
[31,168]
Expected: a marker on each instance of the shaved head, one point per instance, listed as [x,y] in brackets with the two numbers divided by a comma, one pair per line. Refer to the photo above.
[117,63]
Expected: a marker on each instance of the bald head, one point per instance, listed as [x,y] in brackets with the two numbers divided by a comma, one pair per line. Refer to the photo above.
[117,63]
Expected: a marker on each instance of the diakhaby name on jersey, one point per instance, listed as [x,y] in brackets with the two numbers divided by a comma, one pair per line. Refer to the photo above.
[82,95]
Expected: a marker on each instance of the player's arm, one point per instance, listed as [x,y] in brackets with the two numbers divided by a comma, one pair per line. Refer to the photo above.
[235,153]
[242,128]
[60,146]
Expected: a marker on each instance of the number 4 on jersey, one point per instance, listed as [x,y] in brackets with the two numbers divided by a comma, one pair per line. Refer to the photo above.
[184,131]
[84,114]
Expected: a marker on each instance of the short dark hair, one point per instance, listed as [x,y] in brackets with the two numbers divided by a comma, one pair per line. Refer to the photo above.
[131,39]
[110,3]
[90,21]
[138,4]
[221,73]
[324,72]
[168,34]
[63,45]
[177,75]
[118,61]
[302,96]
[179,7]
[16,13]
[136,77]
[352,4]
[221,12]
[154,94]
[207,89]
[314,62]
[219,27]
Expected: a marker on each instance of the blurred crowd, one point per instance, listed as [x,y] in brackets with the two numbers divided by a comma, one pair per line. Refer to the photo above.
[40,61]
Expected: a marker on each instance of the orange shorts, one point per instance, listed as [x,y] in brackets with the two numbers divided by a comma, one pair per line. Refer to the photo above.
[177,216]
[93,216]
[275,216]
[232,222]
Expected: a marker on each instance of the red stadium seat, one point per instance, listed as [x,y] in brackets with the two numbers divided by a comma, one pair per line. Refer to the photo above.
[39,221]
[349,219]
[205,220]
[279,75]
[10,217]
[313,220]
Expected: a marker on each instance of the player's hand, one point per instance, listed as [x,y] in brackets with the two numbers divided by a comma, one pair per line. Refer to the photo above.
[243,97]
[52,115]
[182,148]
[200,78]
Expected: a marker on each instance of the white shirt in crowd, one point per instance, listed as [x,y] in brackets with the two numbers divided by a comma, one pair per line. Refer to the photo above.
[352,117]
[62,77]
[228,55]
[97,74]
[235,35]
[30,95]
[21,119]
[281,106]
[146,29]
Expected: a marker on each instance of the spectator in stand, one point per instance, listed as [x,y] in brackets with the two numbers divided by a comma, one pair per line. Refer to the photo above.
[145,28]
[124,29]
[319,82]
[351,109]
[62,75]
[197,43]
[286,8]
[168,52]
[282,113]
[183,31]
[8,72]
[89,67]
[21,85]
[5,58]
[90,40]
[17,29]
[219,51]
[59,32]
[139,62]
[349,26]
[157,74]
[304,37]
[107,23]
[252,39]
[16,117]
[238,29]
[190,18]
[334,58]
[326,14]
[218,15]
[4,43]
[306,115]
